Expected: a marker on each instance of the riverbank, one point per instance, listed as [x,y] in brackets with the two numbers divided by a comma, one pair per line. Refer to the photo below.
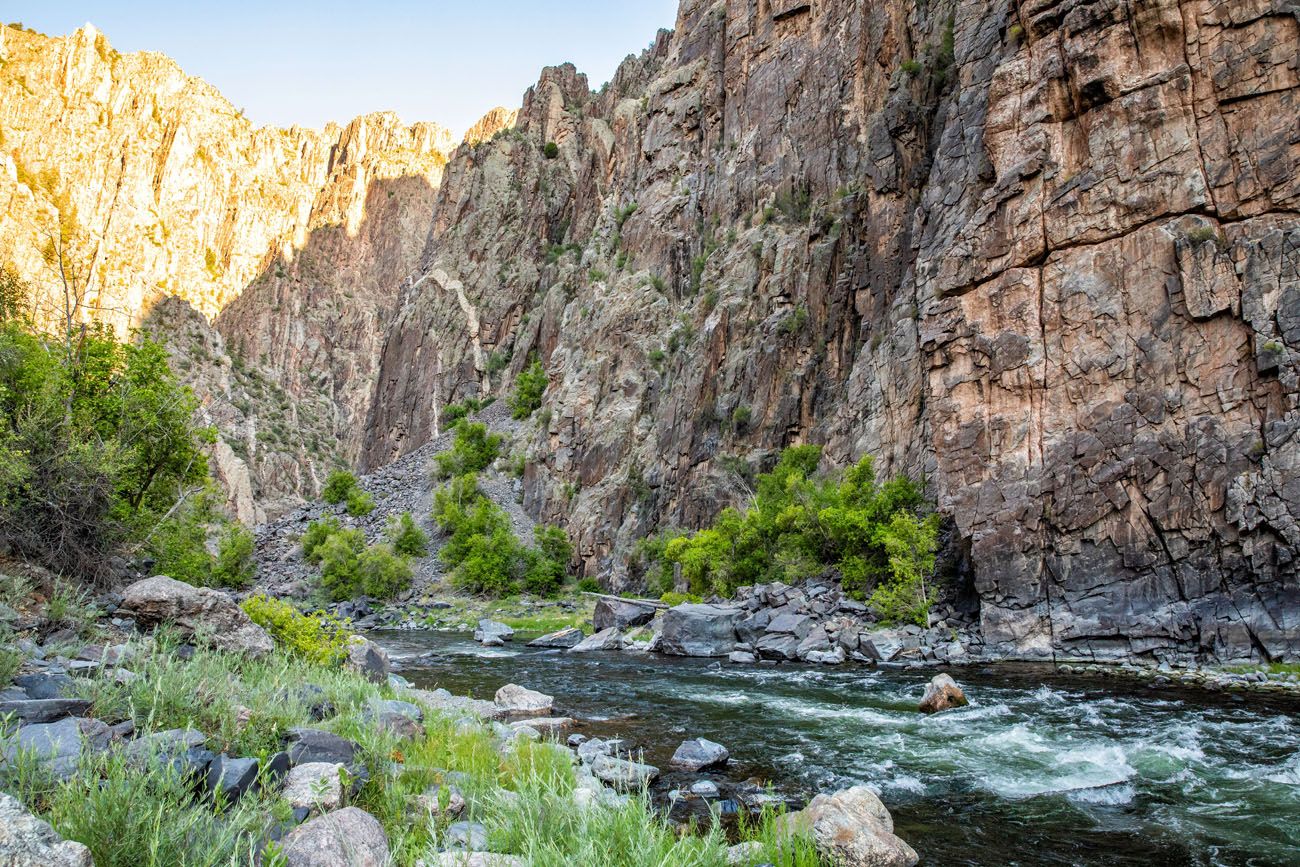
[201,743]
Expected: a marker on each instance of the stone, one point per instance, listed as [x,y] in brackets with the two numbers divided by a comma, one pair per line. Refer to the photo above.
[589,750]
[44,686]
[492,629]
[470,859]
[753,627]
[562,640]
[514,699]
[741,657]
[699,630]
[835,656]
[778,645]
[315,785]
[942,693]
[313,745]
[399,718]
[747,854]
[698,754]
[621,614]
[369,659]
[459,705]
[443,800]
[548,725]
[622,772]
[349,837]
[26,841]
[57,746]
[852,828]
[608,639]
[44,710]
[276,769]
[705,789]
[182,749]
[229,779]
[798,625]
[202,612]
[465,835]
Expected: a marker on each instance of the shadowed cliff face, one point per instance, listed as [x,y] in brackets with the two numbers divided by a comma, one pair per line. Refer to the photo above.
[1045,253]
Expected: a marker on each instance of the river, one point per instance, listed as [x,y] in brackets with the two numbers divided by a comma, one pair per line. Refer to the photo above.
[1042,768]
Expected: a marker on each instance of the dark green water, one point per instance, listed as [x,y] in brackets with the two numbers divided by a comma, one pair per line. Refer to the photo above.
[1040,768]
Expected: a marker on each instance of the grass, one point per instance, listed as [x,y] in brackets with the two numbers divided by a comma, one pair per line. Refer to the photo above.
[522,613]
[1268,668]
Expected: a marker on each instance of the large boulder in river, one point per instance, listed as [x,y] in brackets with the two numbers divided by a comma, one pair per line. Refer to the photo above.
[514,700]
[368,659]
[698,754]
[621,614]
[942,693]
[699,630]
[344,838]
[852,828]
[493,632]
[562,640]
[196,611]
[606,639]
[26,841]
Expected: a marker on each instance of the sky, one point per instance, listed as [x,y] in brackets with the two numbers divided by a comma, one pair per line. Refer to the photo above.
[291,62]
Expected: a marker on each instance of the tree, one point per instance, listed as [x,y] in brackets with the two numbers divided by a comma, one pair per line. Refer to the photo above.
[529,388]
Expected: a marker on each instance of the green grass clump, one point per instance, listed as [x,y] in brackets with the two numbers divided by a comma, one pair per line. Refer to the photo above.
[319,638]
[11,658]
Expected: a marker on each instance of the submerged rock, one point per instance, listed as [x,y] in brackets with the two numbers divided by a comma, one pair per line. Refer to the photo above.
[196,611]
[344,838]
[26,841]
[942,693]
[852,828]
[515,699]
[562,639]
[698,754]
[699,630]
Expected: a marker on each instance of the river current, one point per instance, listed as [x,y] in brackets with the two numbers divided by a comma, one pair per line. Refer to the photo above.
[1041,768]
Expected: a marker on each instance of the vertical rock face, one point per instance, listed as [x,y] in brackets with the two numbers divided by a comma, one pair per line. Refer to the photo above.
[1044,253]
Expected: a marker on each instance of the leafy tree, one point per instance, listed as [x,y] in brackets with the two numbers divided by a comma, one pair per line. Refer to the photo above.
[406,537]
[548,563]
[529,388]
[339,486]
[234,566]
[472,451]
[340,564]
[318,532]
[383,574]
[910,543]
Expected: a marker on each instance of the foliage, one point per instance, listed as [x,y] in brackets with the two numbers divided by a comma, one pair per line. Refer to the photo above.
[472,451]
[801,522]
[340,570]
[454,412]
[10,656]
[339,487]
[589,585]
[551,150]
[672,597]
[406,537]
[15,296]
[318,532]
[383,573]
[234,565]
[97,444]
[320,638]
[529,388]
[178,545]
[360,504]
[548,562]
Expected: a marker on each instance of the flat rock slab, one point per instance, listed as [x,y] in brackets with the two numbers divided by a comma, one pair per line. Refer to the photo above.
[58,746]
[314,785]
[26,841]
[607,639]
[43,710]
[344,838]
[563,639]
[441,700]
[546,725]
[313,745]
[44,685]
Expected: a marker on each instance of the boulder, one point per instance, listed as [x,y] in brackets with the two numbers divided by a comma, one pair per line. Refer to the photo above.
[607,639]
[229,779]
[399,718]
[699,630]
[883,645]
[180,748]
[589,751]
[942,693]
[492,629]
[314,745]
[465,835]
[621,614]
[515,699]
[58,746]
[705,789]
[470,859]
[798,625]
[622,772]
[852,828]
[742,657]
[441,801]
[745,854]
[39,686]
[698,754]
[314,785]
[369,659]
[754,626]
[778,645]
[344,838]
[546,725]
[834,656]
[196,611]
[26,841]
[43,710]
[459,705]
[563,639]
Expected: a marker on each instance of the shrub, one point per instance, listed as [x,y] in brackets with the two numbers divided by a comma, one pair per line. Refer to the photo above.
[318,532]
[319,638]
[740,418]
[360,504]
[673,598]
[549,562]
[339,567]
[589,585]
[339,487]
[910,544]
[383,574]
[10,657]
[406,537]
[529,388]
[472,451]
[551,150]
[911,67]
[234,565]
[178,545]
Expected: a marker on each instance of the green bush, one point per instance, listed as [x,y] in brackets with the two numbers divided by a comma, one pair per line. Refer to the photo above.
[360,504]
[319,638]
[673,598]
[551,150]
[472,451]
[454,412]
[406,537]
[383,574]
[548,563]
[234,565]
[10,657]
[339,487]
[178,545]
[339,564]
[529,388]
[318,532]
[589,585]
[878,536]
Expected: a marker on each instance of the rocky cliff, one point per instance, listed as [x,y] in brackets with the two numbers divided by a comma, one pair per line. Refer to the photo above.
[1044,253]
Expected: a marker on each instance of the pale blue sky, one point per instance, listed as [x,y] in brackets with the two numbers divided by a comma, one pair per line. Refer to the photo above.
[309,62]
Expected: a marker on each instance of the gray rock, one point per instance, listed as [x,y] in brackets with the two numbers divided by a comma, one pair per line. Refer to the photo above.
[852,828]
[515,699]
[741,657]
[745,854]
[44,709]
[182,749]
[798,625]
[444,800]
[200,611]
[705,789]
[26,841]
[229,779]
[470,859]
[563,639]
[369,659]
[314,785]
[699,630]
[313,745]
[488,629]
[58,746]
[698,754]
[588,751]
[753,627]
[465,835]
[344,838]
[778,645]
[42,686]
[622,772]
[547,725]
[835,656]
[608,639]
[620,614]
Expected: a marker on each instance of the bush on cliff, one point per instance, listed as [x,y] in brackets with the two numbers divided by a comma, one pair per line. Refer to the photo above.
[339,486]
[472,451]
[800,522]
[406,537]
[529,388]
